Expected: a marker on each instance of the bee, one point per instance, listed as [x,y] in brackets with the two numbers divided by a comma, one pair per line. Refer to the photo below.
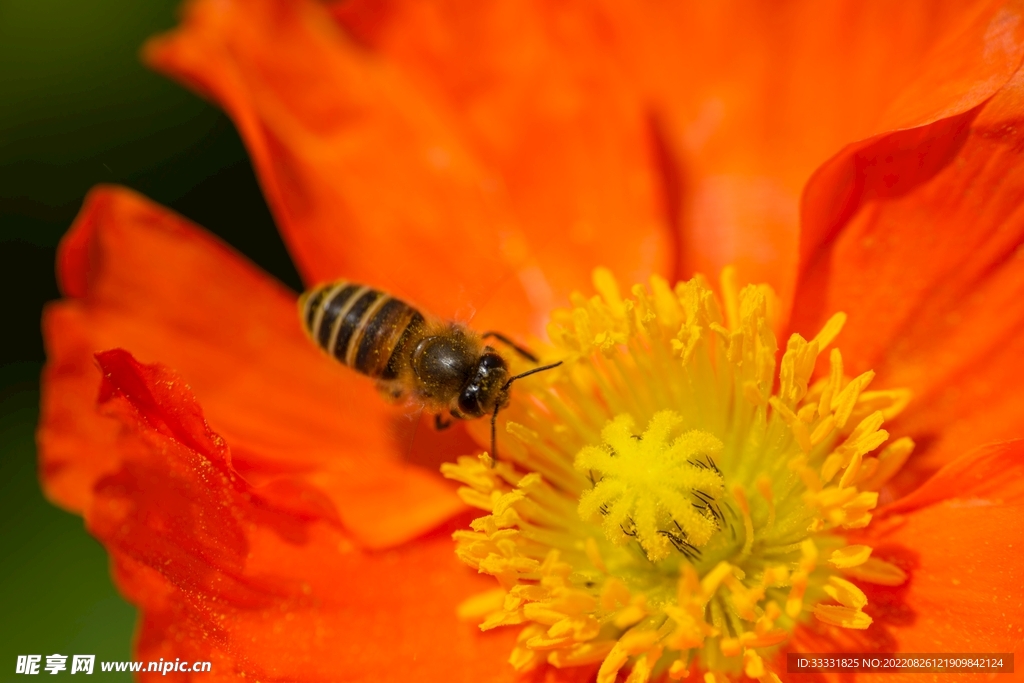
[441,366]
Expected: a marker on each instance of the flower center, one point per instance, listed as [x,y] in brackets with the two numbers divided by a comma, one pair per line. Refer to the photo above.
[662,506]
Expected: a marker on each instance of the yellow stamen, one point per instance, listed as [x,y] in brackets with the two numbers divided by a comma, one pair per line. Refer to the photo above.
[879,572]
[661,507]
[850,556]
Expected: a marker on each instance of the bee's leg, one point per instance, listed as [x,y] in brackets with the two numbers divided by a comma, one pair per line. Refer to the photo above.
[519,349]
[494,434]
[441,424]
[393,391]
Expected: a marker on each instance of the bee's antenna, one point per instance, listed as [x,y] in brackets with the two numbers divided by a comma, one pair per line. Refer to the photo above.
[497,406]
[518,349]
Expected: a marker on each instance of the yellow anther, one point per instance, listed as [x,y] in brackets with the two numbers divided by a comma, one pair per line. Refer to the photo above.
[845,593]
[832,465]
[767,639]
[503,619]
[796,368]
[608,288]
[830,330]
[784,411]
[524,658]
[850,556]
[477,607]
[633,613]
[832,498]
[833,385]
[744,598]
[890,401]
[845,401]
[580,628]
[752,392]
[795,599]
[879,572]
[730,297]
[807,413]
[823,430]
[766,621]
[866,436]
[475,499]
[890,460]
[847,617]
[868,467]
[689,589]
[678,670]
[753,665]
[523,434]
[572,601]
[730,647]
[808,555]
[642,669]
[714,578]
[580,654]
[810,478]
[614,595]
[638,641]
[542,613]
[545,642]
[852,471]
[855,514]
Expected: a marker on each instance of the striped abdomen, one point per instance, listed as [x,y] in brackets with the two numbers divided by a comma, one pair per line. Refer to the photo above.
[362,327]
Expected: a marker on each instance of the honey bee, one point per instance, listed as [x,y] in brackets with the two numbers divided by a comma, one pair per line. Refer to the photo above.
[435,364]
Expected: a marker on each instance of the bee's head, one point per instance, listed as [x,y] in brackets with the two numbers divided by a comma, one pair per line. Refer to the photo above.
[482,391]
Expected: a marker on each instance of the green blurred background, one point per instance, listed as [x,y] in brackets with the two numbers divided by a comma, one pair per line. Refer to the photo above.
[77,109]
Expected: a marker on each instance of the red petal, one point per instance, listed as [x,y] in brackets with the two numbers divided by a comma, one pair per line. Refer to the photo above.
[756,95]
[145,279]
[224,575]
[463,161]
[929,271]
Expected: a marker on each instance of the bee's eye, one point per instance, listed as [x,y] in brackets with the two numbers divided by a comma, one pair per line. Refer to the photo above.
[479,394]
[469,401]
[490,362]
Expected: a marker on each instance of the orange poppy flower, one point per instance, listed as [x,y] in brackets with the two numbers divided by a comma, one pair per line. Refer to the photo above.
[485,158]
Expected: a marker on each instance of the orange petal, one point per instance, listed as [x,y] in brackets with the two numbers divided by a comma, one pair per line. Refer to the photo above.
[224,575]
[929,272]
[462,154]
[755,95]
[959,538]
[145,279]
[990,475]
